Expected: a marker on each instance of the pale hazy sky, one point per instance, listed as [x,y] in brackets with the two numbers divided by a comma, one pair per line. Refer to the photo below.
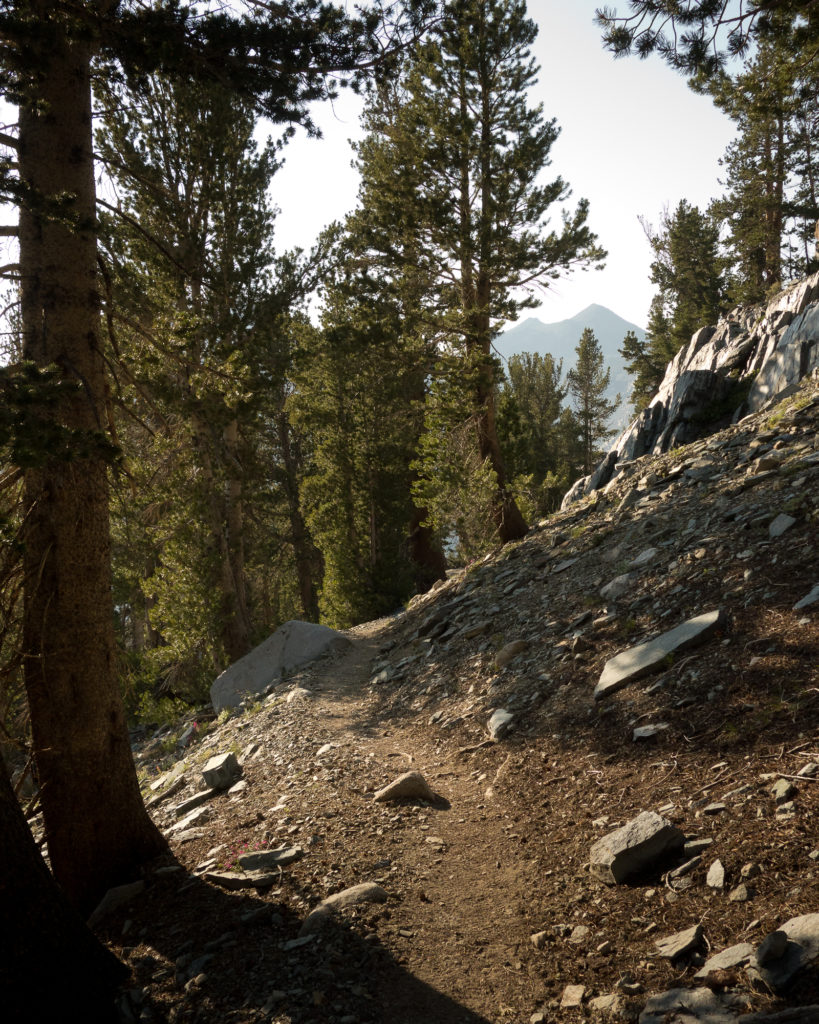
[634,139]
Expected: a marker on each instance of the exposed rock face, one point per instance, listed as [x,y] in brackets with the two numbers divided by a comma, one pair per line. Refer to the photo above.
[750,358]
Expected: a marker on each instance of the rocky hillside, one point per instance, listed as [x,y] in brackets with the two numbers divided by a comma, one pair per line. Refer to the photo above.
[749,361]
[616,725]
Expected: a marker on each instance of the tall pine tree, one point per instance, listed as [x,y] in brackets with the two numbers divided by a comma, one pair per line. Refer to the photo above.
[457,167]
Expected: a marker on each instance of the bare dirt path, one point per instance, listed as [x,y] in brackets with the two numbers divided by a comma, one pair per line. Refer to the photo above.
[464,915]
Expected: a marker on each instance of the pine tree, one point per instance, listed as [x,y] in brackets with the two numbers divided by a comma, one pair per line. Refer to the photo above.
[770,206]
[457,168]
[191,241]
[529,416]
[687,269]
[587,382]
[363,424]
[701,36]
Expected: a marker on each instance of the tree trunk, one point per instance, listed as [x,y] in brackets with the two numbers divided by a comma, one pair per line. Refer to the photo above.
[305,552]
[50,959]
[426,554]
[97,829]
[228,572]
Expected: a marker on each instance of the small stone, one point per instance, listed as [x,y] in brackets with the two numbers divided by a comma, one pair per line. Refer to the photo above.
[605,947]
[649,732]
[808,599]
[750,870]
[509,652]
[366,892]
[808,771]
[192,802]
[410,785]
[783,790]
[695,846]
[610,1005]
[619,586]
[741,953]
[741,894]
[715,879]
[782,523]
[643,559]
[538,940]
[640,661]
[234,880]
[221,771]
[713,809]
[115,898]
[632,847]
[499,723]
[572,997]
[674,946]
[771,948]
[267,860]
[579,934]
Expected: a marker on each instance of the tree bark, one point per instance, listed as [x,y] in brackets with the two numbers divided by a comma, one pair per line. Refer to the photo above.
[305,553]
[426,553]
[50,961]
[97,829]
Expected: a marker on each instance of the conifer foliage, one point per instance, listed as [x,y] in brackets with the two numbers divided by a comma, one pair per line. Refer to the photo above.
[587,382]
[452,187]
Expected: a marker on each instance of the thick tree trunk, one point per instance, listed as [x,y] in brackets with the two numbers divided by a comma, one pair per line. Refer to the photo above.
[51,962]
[97,829]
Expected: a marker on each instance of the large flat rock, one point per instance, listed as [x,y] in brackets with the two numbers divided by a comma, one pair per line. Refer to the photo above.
[651,656]
[629,849]
[292,645]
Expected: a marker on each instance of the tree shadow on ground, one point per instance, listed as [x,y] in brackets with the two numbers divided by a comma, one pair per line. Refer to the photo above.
[200,953]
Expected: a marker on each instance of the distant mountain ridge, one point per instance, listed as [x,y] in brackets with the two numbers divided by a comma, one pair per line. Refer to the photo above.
[560,340]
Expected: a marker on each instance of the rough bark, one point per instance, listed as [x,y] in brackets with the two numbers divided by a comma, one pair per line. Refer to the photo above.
[426,553]
[50,961]
[97,829]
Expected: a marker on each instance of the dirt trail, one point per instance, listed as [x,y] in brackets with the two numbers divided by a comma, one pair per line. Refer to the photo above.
[465,912]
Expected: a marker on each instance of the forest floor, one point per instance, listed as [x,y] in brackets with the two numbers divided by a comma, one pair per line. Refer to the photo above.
[503,854]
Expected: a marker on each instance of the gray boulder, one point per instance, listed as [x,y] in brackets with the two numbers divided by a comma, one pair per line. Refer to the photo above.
[292,645]
[801,948]
[635,846]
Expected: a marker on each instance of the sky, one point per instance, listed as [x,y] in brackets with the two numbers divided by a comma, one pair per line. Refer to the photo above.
[634,140]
